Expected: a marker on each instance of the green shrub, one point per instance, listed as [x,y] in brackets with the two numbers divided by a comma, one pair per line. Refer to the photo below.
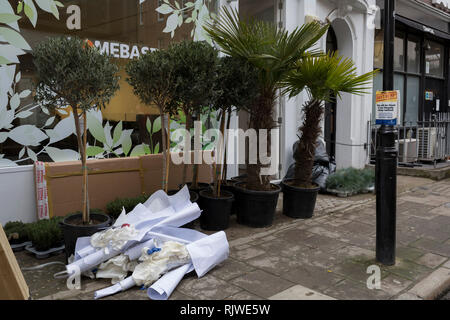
[351,180]
[114,208]
[46,233]
[16,231]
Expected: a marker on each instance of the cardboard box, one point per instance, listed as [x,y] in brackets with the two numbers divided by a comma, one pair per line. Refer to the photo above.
[109,179]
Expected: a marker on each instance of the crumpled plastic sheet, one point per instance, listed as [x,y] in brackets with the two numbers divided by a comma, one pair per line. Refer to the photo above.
[158,220]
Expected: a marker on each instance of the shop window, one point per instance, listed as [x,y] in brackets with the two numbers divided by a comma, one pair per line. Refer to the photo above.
[412,100]
[399,53]
[378,49]
[434,56]
[413,48]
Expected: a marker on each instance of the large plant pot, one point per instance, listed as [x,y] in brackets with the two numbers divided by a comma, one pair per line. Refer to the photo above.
[72,231]
[298,202]
[229,186]
[200,186]
[255,208]
[216,211]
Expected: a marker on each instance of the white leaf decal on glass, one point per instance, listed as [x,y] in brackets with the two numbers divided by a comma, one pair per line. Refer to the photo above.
[6,117]
[24,114]
[95,127]
[14,38]
[7,163]
[62,130]
[107,131]
[27,135]
[14,102]
[117,134]
[164,9]
[3,136]
[31,154]
[21,153]
[138,150]
[62,154]
[24,93]
[172,23]
[49,121]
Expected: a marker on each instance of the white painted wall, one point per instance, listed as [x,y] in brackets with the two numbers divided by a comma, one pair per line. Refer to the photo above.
[17,194]
[355,40]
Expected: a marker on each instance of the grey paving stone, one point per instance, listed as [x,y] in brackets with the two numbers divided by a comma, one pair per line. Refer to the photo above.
[432,246]
[244,295]
[230,269]
[274,263]
[431,260]
[408,253]
[351,290]
[393,284]
[261,283]
[245,254]
[312,277]
[207,287]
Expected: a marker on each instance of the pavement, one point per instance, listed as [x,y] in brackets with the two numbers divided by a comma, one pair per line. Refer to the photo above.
[330,256]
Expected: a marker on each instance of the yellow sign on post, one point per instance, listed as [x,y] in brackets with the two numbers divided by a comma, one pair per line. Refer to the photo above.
[387,105]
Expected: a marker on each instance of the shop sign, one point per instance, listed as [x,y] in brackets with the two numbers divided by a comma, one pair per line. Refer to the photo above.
[387,107]
[121,50]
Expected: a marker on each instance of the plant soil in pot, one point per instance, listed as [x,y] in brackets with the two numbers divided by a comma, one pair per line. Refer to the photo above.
[73,228]
[216,210]
[298,202]
[256,208]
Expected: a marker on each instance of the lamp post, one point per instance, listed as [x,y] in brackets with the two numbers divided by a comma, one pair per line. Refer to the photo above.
[386,155]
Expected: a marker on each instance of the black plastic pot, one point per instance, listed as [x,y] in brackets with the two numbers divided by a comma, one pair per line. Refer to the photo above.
[255,208]
[72,232]
[201,186]
[193,194]
[298,202]
[240,178]
[229,186]
[216,211]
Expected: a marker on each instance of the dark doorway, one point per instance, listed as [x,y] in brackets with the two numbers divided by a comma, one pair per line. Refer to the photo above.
[330,107]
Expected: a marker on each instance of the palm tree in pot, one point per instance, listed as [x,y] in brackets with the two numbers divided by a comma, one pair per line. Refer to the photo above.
[273,51]
[324,78]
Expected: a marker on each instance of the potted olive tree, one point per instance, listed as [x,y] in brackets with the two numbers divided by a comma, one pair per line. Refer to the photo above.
[195,69]
[236,86]
[72,72]
[153,79]
[273,51]
[324,77]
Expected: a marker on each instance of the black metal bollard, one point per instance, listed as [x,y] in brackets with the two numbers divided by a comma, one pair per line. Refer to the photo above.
[386,191]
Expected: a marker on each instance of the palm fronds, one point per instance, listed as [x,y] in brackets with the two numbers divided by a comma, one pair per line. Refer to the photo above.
[327,76]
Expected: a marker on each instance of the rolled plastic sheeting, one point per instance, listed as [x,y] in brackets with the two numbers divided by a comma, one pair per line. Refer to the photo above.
[208,252]
[118,287]
[163,288]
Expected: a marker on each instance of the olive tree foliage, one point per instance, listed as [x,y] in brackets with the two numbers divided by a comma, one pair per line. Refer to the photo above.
[72,72]
[152,77]
[195,76]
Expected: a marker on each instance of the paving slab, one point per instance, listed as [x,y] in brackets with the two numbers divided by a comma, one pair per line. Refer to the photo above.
[299,292]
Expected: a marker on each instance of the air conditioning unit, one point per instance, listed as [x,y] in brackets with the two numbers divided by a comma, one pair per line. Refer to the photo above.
[407,150]
[427,143]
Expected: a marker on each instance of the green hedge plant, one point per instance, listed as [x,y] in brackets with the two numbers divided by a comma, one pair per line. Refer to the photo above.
[114,208]
[16,232]
[46,234]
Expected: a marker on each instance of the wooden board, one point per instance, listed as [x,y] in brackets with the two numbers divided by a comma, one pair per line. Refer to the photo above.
[12,282]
